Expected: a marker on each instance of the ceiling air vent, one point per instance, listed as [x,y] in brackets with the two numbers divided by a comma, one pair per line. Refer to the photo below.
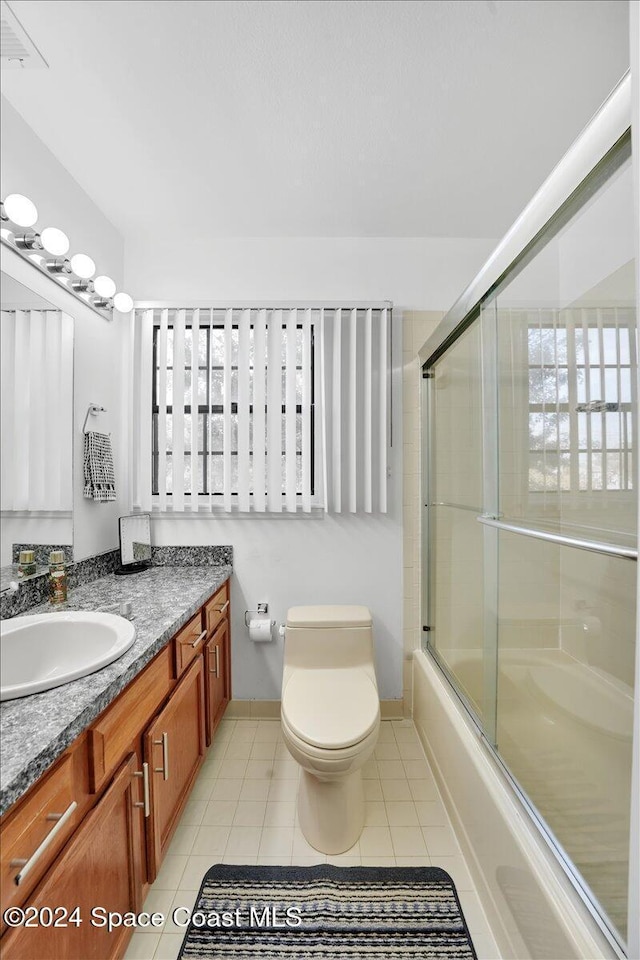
[18,51]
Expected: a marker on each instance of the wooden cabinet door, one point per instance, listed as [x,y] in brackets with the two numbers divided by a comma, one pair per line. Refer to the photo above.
[216,661]
[174,747]
[99,867]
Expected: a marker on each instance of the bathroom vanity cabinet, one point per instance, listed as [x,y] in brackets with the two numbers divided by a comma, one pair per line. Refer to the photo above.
[121,788]
[100,867]
[174,748]
[217,660]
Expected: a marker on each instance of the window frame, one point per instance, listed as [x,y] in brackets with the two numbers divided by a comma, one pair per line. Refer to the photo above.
[574,449]
[218,409]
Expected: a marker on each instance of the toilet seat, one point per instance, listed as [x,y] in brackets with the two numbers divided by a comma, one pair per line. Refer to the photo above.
[351,695]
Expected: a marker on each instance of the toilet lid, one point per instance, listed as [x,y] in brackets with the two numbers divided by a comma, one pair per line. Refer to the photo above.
[331,709]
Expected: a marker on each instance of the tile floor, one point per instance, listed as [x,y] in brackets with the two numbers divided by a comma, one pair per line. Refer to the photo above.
[242,810]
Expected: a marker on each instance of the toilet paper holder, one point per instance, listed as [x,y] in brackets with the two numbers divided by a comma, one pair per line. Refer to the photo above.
[263,609]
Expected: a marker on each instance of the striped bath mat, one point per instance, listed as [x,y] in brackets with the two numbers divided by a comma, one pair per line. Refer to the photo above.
[328,913]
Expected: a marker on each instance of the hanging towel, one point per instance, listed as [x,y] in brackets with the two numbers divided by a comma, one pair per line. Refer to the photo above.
[99,477]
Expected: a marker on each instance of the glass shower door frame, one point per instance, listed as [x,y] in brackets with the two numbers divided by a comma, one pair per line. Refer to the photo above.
[588,158]
[487,724]
[492,526]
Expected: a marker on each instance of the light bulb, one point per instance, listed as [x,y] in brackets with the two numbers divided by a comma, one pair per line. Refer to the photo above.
[20,210]
[123,302]
[104,286]
[54,241]
[83,266]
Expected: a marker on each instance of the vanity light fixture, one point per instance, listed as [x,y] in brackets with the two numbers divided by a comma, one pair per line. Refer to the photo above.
[82,286]
[75,274]
[54,241]
[105,287]
[58,266]
[83,266]
[29,241]
[20,210]
[123,303]
[51,239]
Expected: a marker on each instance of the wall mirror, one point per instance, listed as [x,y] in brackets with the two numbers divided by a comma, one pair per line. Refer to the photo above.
[36,431]
[135,543]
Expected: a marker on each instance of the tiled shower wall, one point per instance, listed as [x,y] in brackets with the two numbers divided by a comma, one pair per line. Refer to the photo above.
[417,326]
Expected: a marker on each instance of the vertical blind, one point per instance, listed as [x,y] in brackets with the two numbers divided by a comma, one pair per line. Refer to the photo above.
[582,390]
[261,409]
[37,410]
[355,365]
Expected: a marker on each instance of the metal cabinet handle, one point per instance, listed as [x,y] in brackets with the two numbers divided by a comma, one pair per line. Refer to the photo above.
[60,820]
[217,650]
[146,803]
[223,608]
[164,769]
[198,639]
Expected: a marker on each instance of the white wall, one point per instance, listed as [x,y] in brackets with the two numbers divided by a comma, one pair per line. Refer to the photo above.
[338,559]
[285,562]
[26,529]
[28,167]
[599,241]
[315,559]
[346,559]
[417,273]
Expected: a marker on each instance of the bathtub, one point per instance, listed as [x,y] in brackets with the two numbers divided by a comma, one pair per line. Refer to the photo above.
[533,908]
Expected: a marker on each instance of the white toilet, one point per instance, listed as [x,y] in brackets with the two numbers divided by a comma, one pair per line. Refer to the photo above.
[330,718]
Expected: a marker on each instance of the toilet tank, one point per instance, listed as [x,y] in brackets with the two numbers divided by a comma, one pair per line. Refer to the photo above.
[328,636]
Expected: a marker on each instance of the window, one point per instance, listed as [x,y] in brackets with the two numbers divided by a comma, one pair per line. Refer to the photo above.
[208,417]
[260,409]
[579,382]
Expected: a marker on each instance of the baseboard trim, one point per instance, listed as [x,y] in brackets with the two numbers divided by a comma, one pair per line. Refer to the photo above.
[270,710]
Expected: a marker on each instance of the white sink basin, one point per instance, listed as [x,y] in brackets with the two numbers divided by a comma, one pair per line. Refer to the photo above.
[49,649]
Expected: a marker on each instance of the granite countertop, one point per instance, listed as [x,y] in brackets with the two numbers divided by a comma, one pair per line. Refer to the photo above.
[35,730]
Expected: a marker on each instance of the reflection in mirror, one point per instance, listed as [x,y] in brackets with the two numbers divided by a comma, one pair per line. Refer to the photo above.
[135,543]
[36,349]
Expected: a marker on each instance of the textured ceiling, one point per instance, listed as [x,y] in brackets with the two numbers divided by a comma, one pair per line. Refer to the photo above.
[315,118]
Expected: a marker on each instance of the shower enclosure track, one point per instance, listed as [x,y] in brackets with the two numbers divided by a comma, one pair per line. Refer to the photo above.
[594,546]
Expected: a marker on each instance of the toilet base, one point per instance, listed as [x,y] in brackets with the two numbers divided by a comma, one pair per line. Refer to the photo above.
[331,812]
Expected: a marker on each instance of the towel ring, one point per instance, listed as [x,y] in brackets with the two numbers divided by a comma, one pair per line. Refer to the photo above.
[93,410]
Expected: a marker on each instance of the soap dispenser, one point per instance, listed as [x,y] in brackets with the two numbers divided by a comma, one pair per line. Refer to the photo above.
[57,578]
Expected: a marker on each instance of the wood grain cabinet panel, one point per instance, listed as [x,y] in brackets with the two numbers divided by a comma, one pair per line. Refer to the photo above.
[217,677]
[32,838]
[188,643]
[174,748]
[217,608]
[99,868]
[110,738]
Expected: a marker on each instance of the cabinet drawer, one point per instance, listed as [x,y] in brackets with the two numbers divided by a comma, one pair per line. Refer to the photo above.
[31,838]
[100,866]
[189,643]
[217,608]
[110,738]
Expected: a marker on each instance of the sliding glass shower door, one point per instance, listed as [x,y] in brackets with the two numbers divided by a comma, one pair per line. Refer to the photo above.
[531,510]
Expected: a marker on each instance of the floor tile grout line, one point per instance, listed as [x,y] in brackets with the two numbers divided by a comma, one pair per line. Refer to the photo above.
[436,799]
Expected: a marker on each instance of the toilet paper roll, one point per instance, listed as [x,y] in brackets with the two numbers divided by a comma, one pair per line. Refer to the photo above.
[260,630]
